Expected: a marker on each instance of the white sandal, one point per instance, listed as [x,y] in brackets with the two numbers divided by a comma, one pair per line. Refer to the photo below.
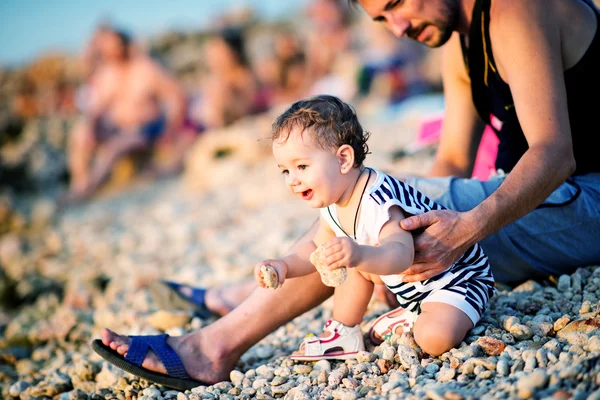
[343,342]
[391,322]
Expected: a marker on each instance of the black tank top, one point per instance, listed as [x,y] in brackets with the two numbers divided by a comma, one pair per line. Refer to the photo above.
[494,102]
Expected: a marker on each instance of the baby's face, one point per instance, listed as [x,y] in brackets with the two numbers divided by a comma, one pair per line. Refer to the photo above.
[310,172]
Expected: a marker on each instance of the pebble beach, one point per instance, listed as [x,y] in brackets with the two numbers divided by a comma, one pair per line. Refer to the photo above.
[91,265]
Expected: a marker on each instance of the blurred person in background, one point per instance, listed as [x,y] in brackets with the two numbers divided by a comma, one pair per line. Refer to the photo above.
[282,70]
[91,59]
[135,102]
[330,57]
[228,89]
[390,69]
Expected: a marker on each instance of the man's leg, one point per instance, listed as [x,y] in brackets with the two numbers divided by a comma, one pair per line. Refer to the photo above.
[222,300]
[114,149]
[211,353]
[81,147]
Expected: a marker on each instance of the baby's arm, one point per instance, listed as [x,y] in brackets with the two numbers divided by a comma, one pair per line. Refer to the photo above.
[394,254]
[297,261]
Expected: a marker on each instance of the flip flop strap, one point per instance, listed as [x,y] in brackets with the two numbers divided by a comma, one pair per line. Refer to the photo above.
[139,346]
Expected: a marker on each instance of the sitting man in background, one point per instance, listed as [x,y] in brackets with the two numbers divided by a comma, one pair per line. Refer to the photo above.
[135,102]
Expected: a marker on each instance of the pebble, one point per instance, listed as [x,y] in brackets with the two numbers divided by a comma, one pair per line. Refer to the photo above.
[446,374]
[18,387]
[528,384]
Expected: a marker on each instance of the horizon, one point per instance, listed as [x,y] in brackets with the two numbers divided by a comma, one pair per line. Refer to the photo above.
[30,28]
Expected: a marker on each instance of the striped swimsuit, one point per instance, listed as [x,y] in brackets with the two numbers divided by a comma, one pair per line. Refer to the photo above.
[467,284]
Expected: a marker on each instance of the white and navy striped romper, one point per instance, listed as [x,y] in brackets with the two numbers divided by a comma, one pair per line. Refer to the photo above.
[467,284]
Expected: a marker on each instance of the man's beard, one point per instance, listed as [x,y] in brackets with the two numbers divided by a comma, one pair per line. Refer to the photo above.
[444,27]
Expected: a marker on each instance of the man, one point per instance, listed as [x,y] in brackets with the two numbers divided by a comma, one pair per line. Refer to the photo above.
[528,65]
[134,102]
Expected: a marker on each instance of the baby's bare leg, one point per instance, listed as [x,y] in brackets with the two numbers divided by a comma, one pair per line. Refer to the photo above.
[440,327]
[352,297]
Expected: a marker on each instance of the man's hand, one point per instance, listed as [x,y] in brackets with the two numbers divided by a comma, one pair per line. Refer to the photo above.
[280,267]
[342,252]
[446,237]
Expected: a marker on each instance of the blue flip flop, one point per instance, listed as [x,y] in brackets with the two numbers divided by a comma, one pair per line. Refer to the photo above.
[176,296]
[176,377]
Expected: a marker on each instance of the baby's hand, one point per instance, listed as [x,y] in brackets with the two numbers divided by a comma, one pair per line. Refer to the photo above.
[270,273]
[343,252]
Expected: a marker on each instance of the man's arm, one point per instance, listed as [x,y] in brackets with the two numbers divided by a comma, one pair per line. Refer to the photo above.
[527,46]
[527,49]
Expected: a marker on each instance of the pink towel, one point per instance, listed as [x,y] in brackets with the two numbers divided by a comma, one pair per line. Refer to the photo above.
[485,160]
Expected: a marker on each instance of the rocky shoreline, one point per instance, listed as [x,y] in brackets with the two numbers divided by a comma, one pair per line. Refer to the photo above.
[91,268]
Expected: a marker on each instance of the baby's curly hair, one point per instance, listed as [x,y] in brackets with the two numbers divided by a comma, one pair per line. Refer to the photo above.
[333,123]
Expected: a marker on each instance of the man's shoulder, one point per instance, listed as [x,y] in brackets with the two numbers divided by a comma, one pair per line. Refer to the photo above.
[533,12]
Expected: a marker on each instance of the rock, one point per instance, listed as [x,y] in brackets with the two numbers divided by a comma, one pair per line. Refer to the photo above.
[491,346]
[541,329]
[42,213]
[11,248]
[564,283]
[329,277]
[302,369]
[502,367]
[446,374]
[165,320]
[270,277]
[109,375]
[561,322]
[264,352]
[365,356]
[152,392]
[521,332]
[529,286]
[509,321]
[528,384]
[587,327]
[336,376]
[322,365]
[593,344]
[236,377]
[18,387]
[407,355]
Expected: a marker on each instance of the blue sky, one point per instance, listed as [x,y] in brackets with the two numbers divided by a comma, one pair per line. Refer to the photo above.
[31,27]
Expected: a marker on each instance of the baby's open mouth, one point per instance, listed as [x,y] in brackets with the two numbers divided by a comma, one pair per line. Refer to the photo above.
[307,194]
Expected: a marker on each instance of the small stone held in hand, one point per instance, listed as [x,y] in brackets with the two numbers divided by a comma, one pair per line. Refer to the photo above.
[270,276]
[329,277]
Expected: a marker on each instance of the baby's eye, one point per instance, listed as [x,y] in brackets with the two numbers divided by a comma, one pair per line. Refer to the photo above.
[284,171]
[302,167]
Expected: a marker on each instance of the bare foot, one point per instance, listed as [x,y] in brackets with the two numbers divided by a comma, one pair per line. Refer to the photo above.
[202,363]
[223,300]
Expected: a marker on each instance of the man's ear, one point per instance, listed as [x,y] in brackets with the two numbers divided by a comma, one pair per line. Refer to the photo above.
[345,155]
